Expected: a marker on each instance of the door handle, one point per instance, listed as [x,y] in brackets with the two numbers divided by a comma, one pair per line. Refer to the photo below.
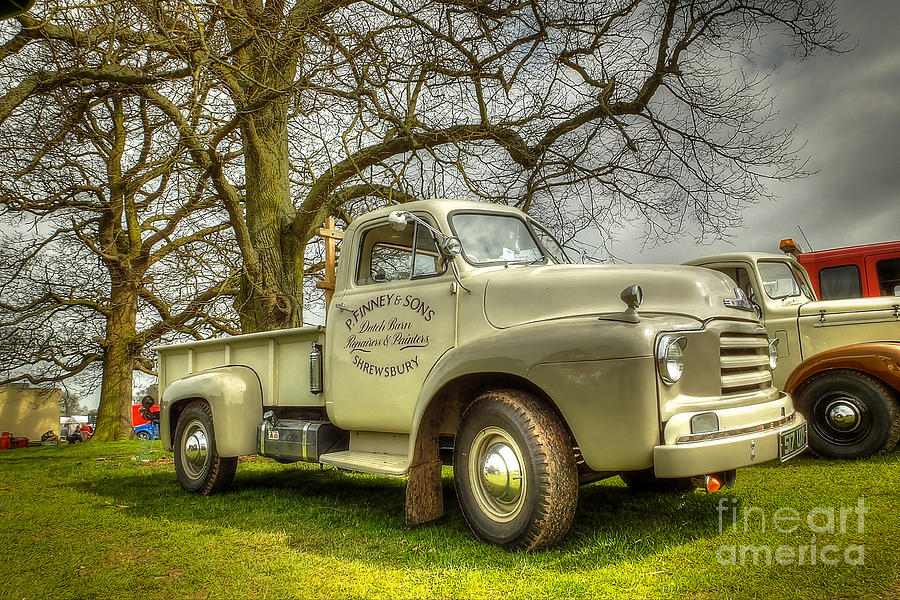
[341,306]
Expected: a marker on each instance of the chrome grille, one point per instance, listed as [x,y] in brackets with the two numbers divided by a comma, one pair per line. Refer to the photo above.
[744,360]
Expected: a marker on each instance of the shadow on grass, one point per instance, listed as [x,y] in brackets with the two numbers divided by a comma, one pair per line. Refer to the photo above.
[353,516]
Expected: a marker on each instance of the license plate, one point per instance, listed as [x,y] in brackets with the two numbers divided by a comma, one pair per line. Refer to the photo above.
[792,442]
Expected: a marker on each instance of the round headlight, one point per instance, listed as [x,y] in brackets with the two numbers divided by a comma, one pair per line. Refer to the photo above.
[773,354]
[670,358]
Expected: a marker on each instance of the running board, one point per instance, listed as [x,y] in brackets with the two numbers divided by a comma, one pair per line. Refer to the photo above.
[367,462]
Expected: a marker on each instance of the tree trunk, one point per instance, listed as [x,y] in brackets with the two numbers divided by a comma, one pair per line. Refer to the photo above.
[275,299]
[114,413]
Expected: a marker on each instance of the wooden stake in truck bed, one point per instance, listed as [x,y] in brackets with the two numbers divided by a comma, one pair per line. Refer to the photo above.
[459,324]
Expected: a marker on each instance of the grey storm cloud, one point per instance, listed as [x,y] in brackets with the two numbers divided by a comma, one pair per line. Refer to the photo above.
[846,107]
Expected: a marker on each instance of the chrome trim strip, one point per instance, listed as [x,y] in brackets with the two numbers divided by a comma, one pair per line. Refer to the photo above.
[716,435]
[740,301]
[303,441]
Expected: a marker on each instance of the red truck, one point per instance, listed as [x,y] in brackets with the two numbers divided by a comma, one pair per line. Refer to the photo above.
[137,418]
[865,271]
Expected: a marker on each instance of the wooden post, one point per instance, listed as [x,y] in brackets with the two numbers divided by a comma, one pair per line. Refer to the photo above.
[331,236]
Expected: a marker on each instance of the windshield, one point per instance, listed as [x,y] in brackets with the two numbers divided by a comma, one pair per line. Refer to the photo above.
[488,238]
[782,280]
[551,246]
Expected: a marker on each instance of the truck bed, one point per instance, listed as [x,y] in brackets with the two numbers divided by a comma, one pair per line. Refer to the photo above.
[279,358]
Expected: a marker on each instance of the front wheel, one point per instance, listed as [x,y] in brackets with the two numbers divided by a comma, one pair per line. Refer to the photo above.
[197,462]
[850,414]
[515,472]
[143,436]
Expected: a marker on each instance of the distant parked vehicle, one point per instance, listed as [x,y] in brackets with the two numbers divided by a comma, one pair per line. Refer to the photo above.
[147,431]
[838,359]
[866,271]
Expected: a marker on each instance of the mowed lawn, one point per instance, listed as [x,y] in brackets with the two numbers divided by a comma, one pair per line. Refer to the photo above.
[110,521]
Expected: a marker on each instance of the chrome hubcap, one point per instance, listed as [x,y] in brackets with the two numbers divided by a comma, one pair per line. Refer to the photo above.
[501,473]
[842,415]
[497,474]
[840,418]
[196,449]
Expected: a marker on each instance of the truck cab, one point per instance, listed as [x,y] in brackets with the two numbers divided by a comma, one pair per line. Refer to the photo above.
[865,271]
[840,359]
[459,331]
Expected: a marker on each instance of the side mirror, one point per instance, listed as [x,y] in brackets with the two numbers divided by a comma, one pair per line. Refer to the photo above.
[451,247]
[398,220]
[632,296]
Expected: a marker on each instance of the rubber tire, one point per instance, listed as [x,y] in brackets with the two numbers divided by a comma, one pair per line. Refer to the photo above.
[218,472]
[646,481]
[877,398]
[551,475]
[143,436]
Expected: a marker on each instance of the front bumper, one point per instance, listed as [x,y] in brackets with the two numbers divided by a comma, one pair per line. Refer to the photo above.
[747,436]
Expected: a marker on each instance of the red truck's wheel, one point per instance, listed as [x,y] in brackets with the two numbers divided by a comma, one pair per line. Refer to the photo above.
[850,414]
[514,470]
[197,463]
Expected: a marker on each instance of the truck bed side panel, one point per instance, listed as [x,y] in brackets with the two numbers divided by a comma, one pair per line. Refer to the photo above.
[279,358]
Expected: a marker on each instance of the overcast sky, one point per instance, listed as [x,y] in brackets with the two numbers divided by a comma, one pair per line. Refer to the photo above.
[847,108]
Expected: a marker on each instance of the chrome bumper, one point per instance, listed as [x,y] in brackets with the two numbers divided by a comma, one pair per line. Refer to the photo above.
[750,436]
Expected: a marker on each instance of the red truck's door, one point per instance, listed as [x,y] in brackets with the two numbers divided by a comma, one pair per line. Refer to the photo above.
[388,327]
[883,274]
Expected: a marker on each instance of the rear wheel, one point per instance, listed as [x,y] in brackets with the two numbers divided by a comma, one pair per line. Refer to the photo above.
[197,462]
[515,472]
[850,414]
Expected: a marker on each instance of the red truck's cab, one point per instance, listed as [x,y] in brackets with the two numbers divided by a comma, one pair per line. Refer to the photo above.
[865,271]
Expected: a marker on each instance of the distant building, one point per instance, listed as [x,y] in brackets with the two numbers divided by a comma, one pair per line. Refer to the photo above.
[29,412]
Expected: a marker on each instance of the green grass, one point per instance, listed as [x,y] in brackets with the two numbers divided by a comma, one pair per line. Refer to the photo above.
[91,522]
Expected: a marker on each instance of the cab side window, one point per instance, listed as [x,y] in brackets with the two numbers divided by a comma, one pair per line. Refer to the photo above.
[389,255]
[840,282]
[888,276]
[741,278]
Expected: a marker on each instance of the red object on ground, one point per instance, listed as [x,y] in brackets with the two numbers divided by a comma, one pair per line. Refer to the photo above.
[20,442]
[136,418]
[5,441]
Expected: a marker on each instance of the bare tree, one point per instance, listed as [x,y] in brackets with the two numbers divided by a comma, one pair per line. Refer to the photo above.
[71,403]
[112,244]
[586,112]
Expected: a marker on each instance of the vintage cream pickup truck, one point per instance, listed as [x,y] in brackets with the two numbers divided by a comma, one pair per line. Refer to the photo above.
[458,329]
[839,359]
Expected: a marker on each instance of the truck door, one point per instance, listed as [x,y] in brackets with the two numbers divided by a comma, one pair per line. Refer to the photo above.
[388,326]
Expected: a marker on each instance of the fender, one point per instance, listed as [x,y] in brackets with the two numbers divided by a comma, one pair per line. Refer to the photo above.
[879,359]
[514,352]
[234,394]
